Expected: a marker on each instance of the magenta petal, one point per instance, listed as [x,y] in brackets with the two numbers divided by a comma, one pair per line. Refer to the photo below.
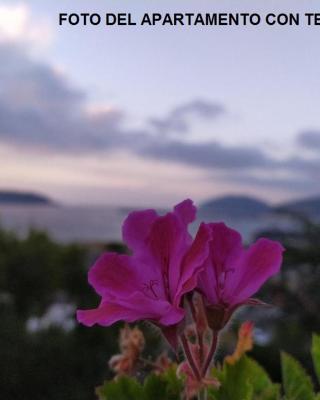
[135,308]
[194,261]
[115,275]
[262,260]
[225,250]
[172,317]
[186,211]
[167,243]
[161,243]
[226,244]
[207,283]
[91,317]
[136,228]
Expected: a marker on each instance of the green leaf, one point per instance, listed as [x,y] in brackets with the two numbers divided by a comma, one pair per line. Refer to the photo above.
[245,379]
[156,387]
[234,381]
[263,388]
[165,386]
[297,384]
[124,388]
[257,376]
[315,351]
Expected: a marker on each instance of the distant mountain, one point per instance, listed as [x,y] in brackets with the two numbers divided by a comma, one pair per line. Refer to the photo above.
[308,206]
[235,206]
[15,197]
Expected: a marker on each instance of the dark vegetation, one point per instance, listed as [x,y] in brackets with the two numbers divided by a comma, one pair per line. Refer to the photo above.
[296,295]
[53,362]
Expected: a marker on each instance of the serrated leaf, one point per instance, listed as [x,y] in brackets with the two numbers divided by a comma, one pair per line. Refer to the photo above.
[297,384]
[263,387]
[235,382]
[257,376]
[124,388]
[246,379]
[156,387]
[315,351]
[165,386]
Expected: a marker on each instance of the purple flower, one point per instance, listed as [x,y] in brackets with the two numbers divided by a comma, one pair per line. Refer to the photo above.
[150,284]
[233,274]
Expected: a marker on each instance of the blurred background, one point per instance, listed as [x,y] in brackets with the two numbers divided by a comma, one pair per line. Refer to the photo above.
[96,121]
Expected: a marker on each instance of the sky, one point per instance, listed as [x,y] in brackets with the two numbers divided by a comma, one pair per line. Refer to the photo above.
[152,115]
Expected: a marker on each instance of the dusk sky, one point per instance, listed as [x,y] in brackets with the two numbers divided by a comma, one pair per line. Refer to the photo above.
[152,115]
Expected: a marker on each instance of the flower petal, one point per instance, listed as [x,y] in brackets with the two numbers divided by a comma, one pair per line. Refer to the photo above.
[194,262]
[136,228]
[106,275]
[186,211]
[262,260]
[225,245]
[160,242]
[225,250]
[167,243]
[115,275]
[136,307]
[172,317]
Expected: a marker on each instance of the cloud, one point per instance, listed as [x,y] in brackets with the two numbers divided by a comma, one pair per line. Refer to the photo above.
[303,166]
[209,155]
[290,183]
[18,26]
[177,120]
[309,139]
[41,109]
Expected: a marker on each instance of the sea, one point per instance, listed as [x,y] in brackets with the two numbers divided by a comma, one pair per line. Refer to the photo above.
[94,224]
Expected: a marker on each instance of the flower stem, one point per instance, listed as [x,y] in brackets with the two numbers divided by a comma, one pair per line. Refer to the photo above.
[211,353]
[199,334]
[189,356]
[201,348]
[192,308]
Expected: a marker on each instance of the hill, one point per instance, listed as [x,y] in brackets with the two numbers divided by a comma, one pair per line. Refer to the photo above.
[235,206]
[17,197]
[308,206]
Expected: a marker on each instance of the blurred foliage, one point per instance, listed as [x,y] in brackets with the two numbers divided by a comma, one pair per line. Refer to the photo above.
[294,295]
[51,362]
